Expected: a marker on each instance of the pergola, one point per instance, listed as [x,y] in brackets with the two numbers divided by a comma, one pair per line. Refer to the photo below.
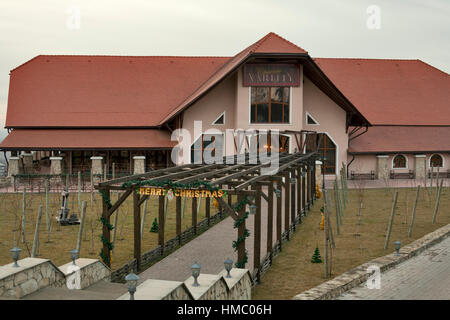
[295,179]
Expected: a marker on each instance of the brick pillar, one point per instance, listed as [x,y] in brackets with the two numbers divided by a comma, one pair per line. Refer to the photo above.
[27,159]
[382,167]
[420,165]
[139,164]
[56,165]
[97,168]
[319,174]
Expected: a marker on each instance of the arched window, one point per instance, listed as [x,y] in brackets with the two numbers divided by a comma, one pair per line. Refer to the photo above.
[436,161]
[399,162]
[327,151]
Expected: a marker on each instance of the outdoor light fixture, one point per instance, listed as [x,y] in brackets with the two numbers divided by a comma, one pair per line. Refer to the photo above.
[292,181]
[15,254]
[132,280]
[252,208]
[228,265]
[397,245]
[74,256]
[278,193]
[195,273]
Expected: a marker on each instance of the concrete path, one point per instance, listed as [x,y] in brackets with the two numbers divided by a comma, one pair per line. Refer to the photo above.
[426,276]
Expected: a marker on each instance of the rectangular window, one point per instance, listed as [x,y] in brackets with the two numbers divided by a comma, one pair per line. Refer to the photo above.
[269,105]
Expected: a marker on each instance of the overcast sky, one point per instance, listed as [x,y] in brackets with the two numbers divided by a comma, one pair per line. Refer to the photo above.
[410,29]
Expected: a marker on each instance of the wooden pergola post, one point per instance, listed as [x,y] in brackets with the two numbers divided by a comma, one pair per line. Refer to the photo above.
[137,229]
[299,194]
[208,209]
[241,230]
[279,212]
[293,202]
[105,230]
[161,222]
[303,177]
[287,202]
[257,232]
[270,219]
[194,214]
[178,218]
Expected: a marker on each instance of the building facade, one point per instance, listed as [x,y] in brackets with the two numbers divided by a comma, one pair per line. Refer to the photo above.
[96,113]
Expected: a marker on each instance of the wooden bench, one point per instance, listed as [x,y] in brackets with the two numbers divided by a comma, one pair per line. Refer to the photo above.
[442,174]
[362,175]
[401,175]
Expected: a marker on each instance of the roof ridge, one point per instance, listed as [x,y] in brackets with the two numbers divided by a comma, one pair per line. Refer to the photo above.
[347,58]
[432,67]
[267,36]
[289,42]
[113,56]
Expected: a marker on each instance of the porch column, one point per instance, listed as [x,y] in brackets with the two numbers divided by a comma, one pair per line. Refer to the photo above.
[139,164]
[420,166]
[382,167]
[97,168]
[14,166]
[27,159]
[319,175]
[56,165]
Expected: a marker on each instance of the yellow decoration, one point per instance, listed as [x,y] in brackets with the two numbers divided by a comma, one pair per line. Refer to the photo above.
[318,192]
[188,193]
[216,203]
[322,221]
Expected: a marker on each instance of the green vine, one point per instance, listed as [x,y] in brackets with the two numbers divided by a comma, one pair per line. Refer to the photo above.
[105,197]
[238,206]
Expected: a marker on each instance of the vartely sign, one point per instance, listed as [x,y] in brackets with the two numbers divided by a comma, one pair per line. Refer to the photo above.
[259,74]
[188,193]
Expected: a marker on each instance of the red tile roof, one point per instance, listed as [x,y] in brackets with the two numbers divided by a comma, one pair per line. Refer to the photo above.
[103,91]
[400,92]
[125,139]
[394,139]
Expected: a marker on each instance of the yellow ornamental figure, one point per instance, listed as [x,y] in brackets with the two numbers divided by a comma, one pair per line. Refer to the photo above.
[318,192]
[216,203]
[322,221]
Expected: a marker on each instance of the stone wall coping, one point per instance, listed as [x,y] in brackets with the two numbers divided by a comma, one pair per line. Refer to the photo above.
[382,156]
[14,158]
[56,158]
[81,263]
[27,155]
[153,289]
[97,158]
[356,276]
[236,275]
[24,264]
[139,157]
[420,156]
[206,281]
[318,162]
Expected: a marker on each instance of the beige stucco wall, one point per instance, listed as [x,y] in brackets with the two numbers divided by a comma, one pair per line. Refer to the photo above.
[220,99]
[331,118]
[362,163]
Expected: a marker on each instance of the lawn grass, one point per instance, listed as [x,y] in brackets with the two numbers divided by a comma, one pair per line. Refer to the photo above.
[63,239]
[362,238]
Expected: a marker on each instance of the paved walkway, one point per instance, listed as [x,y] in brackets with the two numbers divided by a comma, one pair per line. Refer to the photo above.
[211,249]
[426,276]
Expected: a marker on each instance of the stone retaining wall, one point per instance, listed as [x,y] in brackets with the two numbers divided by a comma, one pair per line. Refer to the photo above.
[91,271]
[33,274]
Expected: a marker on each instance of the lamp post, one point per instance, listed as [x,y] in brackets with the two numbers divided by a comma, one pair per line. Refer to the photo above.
[195,273]
[397,245]
[228,265]
[252,208]
[15,254]
[323,172]
[74,256]
[278,192]
[132,280]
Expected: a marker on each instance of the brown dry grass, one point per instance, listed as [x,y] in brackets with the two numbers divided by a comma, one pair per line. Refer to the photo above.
[292,272]
[63,239]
